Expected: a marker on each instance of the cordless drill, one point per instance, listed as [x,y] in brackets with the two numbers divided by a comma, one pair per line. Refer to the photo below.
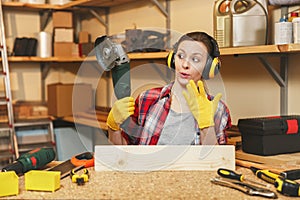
[34,159]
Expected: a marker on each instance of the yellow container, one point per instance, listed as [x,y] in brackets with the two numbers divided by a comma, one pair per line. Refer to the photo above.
[9,183]
[42,180]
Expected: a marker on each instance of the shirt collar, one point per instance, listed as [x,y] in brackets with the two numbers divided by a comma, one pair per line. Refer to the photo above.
[166,91]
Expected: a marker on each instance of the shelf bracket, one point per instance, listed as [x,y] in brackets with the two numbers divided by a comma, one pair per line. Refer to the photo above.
[44,19]
[166,12]
[281,79]
[166,78]
[276,76]
[45,68]
[161,8]
[105,21]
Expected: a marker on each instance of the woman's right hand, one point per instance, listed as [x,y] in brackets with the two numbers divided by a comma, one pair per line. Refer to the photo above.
[120,111]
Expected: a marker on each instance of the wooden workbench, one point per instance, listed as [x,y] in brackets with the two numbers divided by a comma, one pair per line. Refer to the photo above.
[149,185]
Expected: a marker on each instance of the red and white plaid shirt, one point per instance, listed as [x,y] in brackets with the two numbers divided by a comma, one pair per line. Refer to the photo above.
[151,110]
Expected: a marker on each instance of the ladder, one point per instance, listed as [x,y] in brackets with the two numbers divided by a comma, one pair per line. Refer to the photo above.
[7,130]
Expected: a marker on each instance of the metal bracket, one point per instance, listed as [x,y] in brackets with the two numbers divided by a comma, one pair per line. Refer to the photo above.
[166,12]
[44,18]
[281,78]
[167,77]
[105,21]
[45,68]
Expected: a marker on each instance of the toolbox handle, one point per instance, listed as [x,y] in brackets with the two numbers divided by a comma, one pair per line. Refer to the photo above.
[292,126]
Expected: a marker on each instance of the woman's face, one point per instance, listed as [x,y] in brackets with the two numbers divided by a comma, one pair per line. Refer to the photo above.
[190,60]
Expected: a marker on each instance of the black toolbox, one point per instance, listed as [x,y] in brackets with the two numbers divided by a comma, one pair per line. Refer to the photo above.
[270,135]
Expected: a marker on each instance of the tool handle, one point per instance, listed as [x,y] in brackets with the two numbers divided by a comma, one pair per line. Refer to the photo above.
[227,173]
[287,187]
[266,175]
[291,174]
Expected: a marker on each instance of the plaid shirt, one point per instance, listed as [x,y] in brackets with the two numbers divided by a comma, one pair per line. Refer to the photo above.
[151,110]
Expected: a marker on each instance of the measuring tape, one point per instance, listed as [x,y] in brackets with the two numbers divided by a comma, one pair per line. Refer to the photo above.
[80,179]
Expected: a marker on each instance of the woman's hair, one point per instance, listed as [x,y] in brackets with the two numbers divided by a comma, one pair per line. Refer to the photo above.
[197,36]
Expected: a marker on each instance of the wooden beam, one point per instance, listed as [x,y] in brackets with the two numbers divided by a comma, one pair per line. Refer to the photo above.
[276,160]
[163,157]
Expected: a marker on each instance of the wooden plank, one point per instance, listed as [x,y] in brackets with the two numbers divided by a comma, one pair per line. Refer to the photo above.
[149,55]
[99,117]
[282,159]
[250,50]
[106,3]
[87,122]
[289,47]
[163,157]
[132,56]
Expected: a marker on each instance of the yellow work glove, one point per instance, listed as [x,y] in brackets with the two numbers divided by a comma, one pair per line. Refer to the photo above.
[120,111]
[202,108]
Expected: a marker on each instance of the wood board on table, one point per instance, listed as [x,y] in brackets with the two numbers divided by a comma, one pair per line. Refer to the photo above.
[289,160]
[163,157]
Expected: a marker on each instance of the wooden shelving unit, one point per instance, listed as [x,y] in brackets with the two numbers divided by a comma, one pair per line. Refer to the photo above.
[132,56]
[261,52]
[263,49]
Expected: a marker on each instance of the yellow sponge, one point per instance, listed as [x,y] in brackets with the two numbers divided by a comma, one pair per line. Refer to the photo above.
[9,183]
[42,180]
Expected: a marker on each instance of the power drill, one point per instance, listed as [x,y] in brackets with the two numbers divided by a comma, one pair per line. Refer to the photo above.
[34,159]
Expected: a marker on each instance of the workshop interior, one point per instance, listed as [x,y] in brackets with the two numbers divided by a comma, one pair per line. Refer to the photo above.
[65,62]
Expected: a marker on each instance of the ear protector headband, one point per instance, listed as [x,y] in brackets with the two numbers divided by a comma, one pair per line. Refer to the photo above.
[212,66]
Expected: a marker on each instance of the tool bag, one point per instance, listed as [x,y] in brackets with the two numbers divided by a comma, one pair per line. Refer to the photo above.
[270,135]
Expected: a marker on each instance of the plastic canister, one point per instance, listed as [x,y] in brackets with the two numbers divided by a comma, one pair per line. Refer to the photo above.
[223,23]
[296,30]
[249,22]
[283,32]
[293,15]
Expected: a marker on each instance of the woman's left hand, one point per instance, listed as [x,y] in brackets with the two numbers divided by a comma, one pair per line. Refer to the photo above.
[202,108]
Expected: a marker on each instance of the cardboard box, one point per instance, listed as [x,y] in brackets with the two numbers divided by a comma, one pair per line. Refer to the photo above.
[66,99]
[86,49]
[84,37]
[63,49]
[62,19]
[63,35]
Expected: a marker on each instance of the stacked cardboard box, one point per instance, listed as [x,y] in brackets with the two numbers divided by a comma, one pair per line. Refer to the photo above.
[30,110]
[63,32]
[85,44]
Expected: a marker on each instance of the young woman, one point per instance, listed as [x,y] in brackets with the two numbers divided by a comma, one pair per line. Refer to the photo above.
[180,113]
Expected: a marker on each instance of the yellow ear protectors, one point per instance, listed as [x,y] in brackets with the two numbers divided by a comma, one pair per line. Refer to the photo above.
[170,59]
[213,64]
[80,179]
[212,67]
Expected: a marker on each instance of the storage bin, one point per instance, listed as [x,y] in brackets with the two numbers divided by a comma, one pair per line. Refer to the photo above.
[270,135]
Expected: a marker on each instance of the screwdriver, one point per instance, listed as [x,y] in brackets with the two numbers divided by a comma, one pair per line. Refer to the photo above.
[227,173]
[284,186]
[265,174]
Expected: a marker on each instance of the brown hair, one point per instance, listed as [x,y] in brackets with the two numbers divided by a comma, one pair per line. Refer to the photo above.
[197,36]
